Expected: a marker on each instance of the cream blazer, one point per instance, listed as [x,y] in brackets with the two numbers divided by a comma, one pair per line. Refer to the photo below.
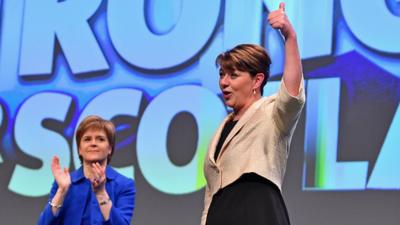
[258,143]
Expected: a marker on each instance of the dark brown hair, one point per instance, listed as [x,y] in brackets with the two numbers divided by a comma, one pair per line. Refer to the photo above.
[97,123]
[249,58]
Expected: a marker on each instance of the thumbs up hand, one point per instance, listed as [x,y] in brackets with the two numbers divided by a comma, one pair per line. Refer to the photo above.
[279,20]
[282,6]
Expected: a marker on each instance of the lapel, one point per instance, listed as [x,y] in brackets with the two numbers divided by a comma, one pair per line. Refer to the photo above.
[242,121]
[111,174]
[215,139]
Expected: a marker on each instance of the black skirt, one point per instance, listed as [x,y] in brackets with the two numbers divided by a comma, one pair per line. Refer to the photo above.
[250,200]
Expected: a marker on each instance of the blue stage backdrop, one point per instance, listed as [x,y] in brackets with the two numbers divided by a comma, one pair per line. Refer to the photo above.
[149,67]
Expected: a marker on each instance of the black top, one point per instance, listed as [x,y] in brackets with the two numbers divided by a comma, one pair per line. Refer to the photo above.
[224,134]
[250,200]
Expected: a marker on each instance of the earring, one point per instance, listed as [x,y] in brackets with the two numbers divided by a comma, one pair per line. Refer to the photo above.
[254,91]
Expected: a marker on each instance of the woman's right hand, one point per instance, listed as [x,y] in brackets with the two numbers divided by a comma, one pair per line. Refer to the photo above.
[279,20]
[61,176]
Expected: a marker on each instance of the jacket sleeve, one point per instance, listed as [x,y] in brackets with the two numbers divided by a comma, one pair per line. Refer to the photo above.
[287,108]
[122,209]
[46,216]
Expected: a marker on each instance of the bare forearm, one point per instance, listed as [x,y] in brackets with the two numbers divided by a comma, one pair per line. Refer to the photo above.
[58,200]
[293,71]
[105,204]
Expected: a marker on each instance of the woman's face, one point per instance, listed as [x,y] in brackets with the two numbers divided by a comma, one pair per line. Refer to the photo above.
[237,88]
[94,146]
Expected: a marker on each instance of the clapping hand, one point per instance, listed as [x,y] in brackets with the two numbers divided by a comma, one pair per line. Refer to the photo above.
[99,177]
[61,176]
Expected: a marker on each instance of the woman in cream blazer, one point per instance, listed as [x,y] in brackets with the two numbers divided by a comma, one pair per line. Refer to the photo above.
[246,160]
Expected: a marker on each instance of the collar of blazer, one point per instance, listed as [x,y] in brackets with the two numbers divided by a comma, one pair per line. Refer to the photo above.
[242,121]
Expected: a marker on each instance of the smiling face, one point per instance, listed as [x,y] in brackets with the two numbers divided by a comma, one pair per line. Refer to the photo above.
[98,131]
[237,89]
[94,146]
[244,71]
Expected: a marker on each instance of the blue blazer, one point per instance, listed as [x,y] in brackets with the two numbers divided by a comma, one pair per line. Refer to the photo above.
[80,197]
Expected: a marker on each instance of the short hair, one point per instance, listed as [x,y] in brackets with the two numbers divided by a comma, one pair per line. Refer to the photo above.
[97,123]
[249,58]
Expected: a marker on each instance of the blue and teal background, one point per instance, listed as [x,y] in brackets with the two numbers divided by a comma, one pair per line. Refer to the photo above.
[149,67]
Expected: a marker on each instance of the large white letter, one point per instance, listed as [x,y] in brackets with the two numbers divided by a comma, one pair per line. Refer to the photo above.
[313,22]
[159,171]
[45,20]
[321,169]
[137,44]
[35,140]
[373,24]
[386,173]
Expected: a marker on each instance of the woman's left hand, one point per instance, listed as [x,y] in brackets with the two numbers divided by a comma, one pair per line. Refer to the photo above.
[99,178]
[99,188]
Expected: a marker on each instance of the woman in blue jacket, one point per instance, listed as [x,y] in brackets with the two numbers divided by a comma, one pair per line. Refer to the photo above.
[95,193]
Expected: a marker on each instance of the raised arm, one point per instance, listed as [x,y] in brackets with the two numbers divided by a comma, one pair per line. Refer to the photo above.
[293,71]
